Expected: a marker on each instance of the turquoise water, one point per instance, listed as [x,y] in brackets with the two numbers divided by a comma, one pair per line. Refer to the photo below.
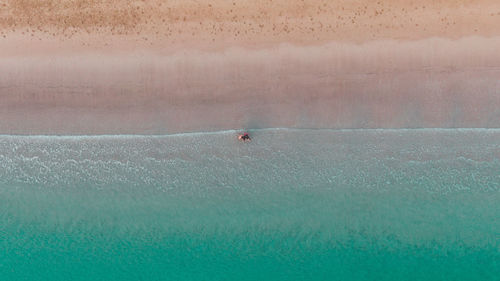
[290,205]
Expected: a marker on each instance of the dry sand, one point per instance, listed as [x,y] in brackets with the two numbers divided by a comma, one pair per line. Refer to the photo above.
[111,67]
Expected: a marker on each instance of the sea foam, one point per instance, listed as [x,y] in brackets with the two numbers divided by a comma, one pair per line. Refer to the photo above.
[291,204]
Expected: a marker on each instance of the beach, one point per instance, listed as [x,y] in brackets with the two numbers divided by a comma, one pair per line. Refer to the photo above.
[154,68]
[374,152]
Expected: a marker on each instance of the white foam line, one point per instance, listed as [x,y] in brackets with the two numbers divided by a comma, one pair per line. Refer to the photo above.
[235,131]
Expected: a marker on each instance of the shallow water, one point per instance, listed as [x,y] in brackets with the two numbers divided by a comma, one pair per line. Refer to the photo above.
[290,205]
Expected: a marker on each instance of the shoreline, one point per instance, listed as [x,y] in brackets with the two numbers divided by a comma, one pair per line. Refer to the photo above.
[250,130]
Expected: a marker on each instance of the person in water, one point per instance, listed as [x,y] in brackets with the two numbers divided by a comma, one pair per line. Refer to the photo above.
[244,137]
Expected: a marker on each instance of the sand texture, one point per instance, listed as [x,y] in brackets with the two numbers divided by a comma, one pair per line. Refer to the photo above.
[153,67]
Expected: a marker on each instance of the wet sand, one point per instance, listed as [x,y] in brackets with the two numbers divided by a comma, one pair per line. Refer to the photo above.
[138,67]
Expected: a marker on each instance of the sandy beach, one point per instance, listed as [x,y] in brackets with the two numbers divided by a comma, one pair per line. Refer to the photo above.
[373,148]
[147,67]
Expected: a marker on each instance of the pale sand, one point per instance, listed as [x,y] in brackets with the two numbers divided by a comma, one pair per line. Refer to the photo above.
[87,71]
[216,24]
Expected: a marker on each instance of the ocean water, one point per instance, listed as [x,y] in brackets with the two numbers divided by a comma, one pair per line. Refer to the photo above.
[290,205]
